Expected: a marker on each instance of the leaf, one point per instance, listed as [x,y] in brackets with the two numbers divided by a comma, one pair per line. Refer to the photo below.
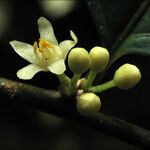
[138,42]
[111,17]
[123,26]
[135,44]
[117,23]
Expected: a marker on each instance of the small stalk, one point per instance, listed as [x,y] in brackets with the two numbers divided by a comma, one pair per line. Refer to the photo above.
[102,87]
[90,80]
[74,80]
[65,83]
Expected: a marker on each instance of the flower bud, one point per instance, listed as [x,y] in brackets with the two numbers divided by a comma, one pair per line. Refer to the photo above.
[99,59]
[88,104]
[127,76]
[79,60]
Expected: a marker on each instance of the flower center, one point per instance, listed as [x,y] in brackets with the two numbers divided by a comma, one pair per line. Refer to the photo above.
[45,48]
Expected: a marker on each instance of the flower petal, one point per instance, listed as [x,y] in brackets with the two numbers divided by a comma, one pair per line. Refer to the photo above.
[46,30]
[57,67]
[74,37]
[24,50]
[66,45]
[28,72]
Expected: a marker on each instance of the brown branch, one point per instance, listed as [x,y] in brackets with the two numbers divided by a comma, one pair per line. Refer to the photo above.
[53,102]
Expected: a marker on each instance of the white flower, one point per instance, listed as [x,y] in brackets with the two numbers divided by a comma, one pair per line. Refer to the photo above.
[47,55]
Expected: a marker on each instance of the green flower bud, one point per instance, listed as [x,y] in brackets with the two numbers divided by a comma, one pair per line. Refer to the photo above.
[127,76]
[99,59]
[88,104]
[79,60]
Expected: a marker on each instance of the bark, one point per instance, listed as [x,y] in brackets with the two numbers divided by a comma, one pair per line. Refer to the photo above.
[53,102]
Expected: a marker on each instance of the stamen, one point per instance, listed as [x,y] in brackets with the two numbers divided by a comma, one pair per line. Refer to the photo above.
[45,48]
[44,44]
[36,49]
[35,46]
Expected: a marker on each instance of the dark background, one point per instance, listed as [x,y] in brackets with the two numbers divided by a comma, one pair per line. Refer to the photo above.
[22,127]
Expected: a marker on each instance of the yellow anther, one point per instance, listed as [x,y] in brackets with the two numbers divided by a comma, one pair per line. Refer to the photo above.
[43,44]
[44,47]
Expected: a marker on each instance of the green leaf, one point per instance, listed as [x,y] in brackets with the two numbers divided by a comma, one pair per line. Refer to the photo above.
[138,42]
[135,44]
[123,26]
[111,17]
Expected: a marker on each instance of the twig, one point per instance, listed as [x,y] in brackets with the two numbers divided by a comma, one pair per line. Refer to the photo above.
[119,128]
[54,102]
[47,100]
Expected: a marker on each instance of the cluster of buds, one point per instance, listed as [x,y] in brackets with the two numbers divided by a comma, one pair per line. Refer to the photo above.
[49,55]
[79,60]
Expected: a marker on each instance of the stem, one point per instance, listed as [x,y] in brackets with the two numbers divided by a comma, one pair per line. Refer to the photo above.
[63,79]
[74,80]
[65,83]
[90,79]
[53,102]
[102,87]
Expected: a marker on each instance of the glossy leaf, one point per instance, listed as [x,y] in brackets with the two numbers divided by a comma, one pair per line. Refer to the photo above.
[138,42]
[135,44]
[111,17]
[123,26]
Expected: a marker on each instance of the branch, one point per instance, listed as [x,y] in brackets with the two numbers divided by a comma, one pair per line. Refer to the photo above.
[53,102]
